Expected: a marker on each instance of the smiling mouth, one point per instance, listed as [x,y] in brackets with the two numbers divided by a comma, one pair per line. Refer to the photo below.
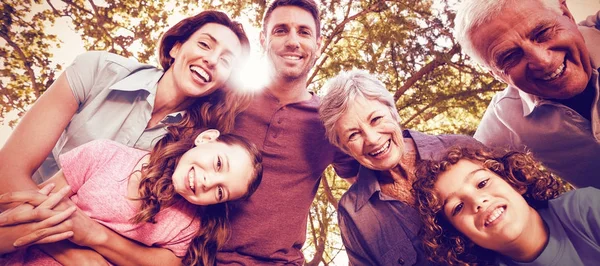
[494,215]
[381,150]
[198,71]
[191,179]
[292,57]
[556,73]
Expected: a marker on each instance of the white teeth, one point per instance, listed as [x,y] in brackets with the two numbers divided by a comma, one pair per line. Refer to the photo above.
[385,147]
[201,73]
[494,215]
[554,74]
[291,57]
[191,178]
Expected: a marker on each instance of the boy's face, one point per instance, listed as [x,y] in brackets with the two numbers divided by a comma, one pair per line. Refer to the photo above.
[482,206]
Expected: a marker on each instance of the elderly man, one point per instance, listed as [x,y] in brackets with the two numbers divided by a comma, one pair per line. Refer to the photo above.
[551,103]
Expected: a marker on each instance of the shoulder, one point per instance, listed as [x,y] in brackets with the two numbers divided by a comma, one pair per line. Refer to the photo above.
[508,97]
[576,199]
[105,59]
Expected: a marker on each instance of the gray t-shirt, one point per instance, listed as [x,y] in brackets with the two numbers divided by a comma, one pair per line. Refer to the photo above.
[573,222]
[116,97]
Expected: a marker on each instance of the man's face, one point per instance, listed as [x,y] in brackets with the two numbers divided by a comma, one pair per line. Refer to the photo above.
[291,43]
[535,49]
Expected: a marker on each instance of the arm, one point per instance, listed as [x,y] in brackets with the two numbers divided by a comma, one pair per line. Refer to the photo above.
[35,136]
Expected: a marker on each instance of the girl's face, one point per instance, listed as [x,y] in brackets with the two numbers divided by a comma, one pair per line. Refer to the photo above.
[213,172]
[482,206]
[370,134]
[204,62]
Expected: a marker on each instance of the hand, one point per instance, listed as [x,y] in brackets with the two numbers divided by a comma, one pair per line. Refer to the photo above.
[34,217]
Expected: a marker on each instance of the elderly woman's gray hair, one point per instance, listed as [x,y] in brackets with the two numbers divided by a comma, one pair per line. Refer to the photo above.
[342,90]
[471,14]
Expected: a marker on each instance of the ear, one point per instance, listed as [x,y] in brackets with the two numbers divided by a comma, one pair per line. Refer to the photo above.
[319,46]
[496,76]
[565,10]
[263,39]
[175,50]
[207,136]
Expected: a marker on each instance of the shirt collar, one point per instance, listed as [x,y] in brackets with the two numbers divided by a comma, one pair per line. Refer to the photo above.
[142,79]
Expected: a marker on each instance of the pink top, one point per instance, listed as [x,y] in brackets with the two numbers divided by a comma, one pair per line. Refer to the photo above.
[98,173]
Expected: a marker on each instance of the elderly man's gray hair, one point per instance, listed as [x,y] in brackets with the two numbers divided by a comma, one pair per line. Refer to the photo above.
[471,14]
[342,90]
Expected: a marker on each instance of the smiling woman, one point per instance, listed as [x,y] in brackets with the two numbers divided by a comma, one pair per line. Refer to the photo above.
[105,96]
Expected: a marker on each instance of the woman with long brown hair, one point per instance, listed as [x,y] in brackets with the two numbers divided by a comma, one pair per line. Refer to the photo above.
[483,207]
[155,203]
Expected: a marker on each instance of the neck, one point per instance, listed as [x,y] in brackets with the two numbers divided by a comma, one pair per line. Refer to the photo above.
[582,103]
[289,91]
[530,244]
[168,100]
[406,166]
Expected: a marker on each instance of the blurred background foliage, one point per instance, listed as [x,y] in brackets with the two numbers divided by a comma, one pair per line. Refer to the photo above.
[406,43]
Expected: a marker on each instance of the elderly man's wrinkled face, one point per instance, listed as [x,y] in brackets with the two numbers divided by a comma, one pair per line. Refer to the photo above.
[370,134]
[535,49]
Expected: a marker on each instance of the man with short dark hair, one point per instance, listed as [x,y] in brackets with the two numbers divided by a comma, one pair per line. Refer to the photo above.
[283,120]
[551,105]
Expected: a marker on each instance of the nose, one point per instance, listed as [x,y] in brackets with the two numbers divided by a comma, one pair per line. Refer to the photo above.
[480,204]
[371,136]
[207,181]
[539,58]
[292,41]
[211,58]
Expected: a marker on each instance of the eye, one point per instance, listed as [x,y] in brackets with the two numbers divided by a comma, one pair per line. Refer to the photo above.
[305,32]
[352,136]
[483,183]
[203,45]
[458,208]
[220,193]
[279,31]
[544,35]
[509,60]
[219,163]
[376,119]
[225,61]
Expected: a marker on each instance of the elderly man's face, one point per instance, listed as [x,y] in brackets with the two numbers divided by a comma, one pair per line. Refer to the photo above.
[535,49]
[370,134]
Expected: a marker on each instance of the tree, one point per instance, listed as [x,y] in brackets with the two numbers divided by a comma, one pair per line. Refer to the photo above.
[406,43]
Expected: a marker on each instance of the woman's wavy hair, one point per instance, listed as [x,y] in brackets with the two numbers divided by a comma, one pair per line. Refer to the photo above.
[219,108]
[443,243]
[156,192]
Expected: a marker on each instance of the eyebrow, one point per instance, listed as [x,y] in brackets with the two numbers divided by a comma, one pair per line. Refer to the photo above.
[212,38]
[468,177]
[538,28]
[368,118]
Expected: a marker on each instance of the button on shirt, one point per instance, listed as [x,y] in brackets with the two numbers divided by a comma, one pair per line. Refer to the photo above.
[377,229]
[564,141]
[116,97]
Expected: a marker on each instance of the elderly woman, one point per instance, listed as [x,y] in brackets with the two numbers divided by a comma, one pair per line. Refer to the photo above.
[378,220]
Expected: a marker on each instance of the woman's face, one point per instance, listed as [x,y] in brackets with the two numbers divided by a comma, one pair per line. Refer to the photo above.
[369,133]
[204,62]
[482,206]
[213,172]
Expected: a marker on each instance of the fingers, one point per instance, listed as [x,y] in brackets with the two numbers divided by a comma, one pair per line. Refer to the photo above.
[34,215]
[47,189]
[51,229]
[55,198]
[30,196]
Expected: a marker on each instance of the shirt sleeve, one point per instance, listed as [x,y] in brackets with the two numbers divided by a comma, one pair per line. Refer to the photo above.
[592,21]
[181,242]
[82,73]
[581,207]
[80,163]
[345,166]
[493,132]
[352,240]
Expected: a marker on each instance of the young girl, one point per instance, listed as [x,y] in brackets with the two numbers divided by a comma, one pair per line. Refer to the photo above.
[482,207]
[150,197]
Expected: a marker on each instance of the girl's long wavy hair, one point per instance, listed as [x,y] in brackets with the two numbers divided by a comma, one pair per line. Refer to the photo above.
[156,192]
[443,243]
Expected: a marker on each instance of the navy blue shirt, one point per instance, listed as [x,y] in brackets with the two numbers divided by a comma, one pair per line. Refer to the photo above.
[377,229]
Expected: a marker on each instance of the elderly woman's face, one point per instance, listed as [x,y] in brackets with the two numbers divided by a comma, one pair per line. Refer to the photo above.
[370,134]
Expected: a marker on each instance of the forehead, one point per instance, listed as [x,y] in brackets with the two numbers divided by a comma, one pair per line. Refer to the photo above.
[513,24]
[455,177]
[222,34]
[291,16]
